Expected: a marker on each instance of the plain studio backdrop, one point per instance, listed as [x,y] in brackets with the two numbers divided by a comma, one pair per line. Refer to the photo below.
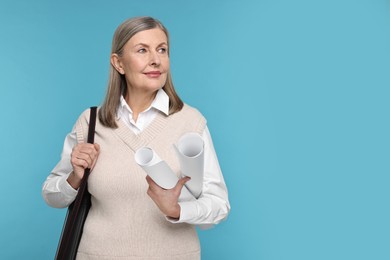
[296,94]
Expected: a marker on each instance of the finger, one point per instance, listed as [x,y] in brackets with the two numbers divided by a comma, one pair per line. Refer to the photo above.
[83,150]
[83,146]
[95,154]
[152,189]
[150,193]
[153,186]
[90,151]
[94,161]
[97,147]
[81,159]
[149,180]
[77,162]
[87,148]
[91,148]
[85,157]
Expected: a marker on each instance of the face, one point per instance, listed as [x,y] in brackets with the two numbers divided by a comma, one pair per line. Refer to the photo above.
[144,61]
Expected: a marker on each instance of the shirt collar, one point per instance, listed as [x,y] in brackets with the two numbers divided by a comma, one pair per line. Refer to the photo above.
[160,102]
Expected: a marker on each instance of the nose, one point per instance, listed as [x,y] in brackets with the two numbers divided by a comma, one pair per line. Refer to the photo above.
[154,59]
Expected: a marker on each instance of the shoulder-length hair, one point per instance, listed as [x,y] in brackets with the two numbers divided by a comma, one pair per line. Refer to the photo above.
[117,82]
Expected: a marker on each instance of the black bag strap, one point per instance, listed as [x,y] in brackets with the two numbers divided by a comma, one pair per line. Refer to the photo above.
[92,125]
[82,193]
[90,139]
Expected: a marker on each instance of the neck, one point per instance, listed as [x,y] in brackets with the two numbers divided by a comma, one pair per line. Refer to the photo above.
[139,101]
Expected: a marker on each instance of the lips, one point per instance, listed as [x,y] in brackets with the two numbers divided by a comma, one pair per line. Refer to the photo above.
[153,74]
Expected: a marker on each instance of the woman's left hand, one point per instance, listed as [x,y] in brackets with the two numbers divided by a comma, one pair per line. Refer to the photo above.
[166,200]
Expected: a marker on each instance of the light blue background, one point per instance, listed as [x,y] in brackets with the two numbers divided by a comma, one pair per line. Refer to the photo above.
[296,94]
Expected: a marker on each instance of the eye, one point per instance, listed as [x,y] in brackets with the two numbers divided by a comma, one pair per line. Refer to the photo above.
[142,50]
[162,50]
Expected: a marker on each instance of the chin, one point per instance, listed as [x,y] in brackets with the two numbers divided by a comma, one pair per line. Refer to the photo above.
[156,85]
[154,88]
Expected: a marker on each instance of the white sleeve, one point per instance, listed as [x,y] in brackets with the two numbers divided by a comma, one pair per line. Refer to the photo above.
[213,205]
[56,191]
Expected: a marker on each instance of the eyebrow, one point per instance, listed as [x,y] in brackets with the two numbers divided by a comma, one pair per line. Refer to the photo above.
[146,45]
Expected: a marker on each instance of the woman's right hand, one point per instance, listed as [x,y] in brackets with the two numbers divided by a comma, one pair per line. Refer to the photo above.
[83,156]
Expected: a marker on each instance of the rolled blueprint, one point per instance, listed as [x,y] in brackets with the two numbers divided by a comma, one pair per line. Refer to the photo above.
[159,171]
[190,151]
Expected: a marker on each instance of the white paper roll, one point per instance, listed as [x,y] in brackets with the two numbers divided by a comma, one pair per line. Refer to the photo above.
[159,171]
[190,151]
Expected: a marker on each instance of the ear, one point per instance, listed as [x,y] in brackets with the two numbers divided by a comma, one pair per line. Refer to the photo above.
[116,63]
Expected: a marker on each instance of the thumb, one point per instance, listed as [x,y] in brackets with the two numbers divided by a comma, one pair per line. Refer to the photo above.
[97,147]
[182,181]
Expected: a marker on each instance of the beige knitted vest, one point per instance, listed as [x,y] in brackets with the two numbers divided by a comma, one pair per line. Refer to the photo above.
[123,222]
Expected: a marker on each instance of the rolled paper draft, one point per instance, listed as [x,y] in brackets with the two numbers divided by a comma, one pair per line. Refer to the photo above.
[190,151]
[159,171]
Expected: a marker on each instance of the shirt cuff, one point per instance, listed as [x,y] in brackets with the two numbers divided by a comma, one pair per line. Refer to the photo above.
[188,212]
[65,188]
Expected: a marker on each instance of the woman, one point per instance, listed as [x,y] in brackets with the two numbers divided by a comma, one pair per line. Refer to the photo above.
[131,217]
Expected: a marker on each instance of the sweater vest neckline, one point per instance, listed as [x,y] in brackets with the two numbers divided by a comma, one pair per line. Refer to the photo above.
[136,141]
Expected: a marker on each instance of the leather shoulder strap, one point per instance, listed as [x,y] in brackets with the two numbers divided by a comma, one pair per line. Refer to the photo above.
[92,125]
